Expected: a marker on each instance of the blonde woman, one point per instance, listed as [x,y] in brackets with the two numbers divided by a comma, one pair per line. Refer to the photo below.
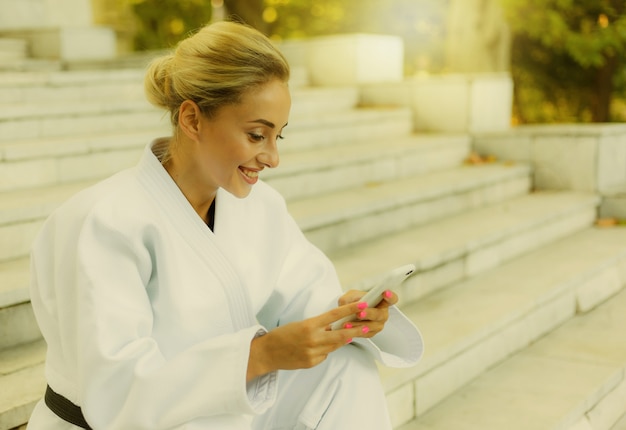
[181,294]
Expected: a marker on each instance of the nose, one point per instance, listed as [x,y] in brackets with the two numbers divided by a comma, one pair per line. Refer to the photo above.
[269,157]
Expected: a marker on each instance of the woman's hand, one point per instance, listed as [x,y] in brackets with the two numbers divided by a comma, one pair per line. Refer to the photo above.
[304,344]
[370,320]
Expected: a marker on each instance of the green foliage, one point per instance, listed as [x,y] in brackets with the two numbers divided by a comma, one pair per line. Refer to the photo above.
[162,23]
[568,58]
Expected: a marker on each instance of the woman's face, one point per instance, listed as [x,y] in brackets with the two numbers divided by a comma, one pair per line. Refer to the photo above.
[241,140]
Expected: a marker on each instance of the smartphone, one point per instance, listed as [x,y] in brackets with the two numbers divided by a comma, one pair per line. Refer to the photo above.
[391,281]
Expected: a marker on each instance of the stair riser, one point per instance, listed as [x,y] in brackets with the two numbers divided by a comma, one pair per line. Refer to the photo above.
[440,376]
[18,415]
[375,169]
[300,138]
[401,404]
[17,410]
[16,239]
[15,130]
[18,325]
[347,232]
[606,413]
[440,382]
[311,103]
[51,171]
[494,254]
[48,94]
[327,131]
[16,236]
[598,289]
[42,103]
[472,262]
[321,100]
[73,163]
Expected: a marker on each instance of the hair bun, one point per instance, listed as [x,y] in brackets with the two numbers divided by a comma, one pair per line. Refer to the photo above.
[157,83]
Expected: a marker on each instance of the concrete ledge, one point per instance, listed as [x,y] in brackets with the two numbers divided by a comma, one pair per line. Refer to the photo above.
[13,49]
[614,203]
[449,103]
[71,43]
[580,157]
[348,59]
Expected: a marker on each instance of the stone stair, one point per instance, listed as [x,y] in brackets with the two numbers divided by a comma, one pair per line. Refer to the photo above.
[518,296]
[15,56]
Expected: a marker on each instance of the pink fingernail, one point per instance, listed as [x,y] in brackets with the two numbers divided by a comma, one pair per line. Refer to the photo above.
[388,294]
[362,314]
[347,325]
[362,305]
[349,340]
[365,329]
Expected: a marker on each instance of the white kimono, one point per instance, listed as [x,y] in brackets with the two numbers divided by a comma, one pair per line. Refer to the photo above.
[149,315]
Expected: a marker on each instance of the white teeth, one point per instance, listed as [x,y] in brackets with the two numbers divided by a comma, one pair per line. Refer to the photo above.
[250,174]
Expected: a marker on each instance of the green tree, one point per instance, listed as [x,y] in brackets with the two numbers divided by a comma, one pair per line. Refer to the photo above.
[162,23]
[567,58]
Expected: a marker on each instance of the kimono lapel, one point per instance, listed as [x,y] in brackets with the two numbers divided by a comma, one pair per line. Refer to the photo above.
[188,224]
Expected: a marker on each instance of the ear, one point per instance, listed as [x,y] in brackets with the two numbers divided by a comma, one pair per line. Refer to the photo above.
[189,116]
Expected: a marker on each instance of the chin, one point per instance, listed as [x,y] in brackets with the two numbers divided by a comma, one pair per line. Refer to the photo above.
[241,193]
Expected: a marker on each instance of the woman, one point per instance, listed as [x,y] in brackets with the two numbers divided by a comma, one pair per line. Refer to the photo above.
[181,294]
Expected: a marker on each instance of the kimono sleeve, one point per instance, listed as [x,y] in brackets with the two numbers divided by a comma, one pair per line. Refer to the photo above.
[125,380]
[308,286]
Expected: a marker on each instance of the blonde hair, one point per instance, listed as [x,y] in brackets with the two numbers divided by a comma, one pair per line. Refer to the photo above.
[213,68]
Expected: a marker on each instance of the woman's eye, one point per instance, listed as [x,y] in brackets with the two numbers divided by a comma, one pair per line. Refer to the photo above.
[256,137]
[280,136]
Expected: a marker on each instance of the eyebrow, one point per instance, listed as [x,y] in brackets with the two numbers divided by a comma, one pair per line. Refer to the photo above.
[267,123]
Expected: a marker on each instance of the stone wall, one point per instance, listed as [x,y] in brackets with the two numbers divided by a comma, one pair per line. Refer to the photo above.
[57,29]
[579,157]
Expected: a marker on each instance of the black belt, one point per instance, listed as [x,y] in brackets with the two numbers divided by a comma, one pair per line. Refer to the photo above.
[65,409]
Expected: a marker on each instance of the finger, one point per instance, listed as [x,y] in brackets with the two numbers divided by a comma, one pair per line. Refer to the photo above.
[338,313]
[354,330]
[351,297]
[389,298]
[374,314]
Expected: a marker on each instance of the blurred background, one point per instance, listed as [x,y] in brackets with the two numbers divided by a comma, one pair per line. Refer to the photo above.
[566,57]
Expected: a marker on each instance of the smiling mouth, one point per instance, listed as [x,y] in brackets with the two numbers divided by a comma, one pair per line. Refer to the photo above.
[252,174]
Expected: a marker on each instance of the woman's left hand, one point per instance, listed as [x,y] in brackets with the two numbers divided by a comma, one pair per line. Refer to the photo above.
[371,320]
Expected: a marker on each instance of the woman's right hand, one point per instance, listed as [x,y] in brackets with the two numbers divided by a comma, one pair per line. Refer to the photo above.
[302,344]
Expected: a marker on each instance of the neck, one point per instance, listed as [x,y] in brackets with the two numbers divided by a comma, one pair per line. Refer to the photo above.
[187,180]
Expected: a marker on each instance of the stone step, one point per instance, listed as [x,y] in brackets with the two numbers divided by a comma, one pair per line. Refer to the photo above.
[63,86]
[620,425]
[22,382]
[33,120]
[510,307]
[333,219]
[13,49]
[298,176]
[86,85]
[47,161]
[569,373]
[308,173]
[57,97]
[46,121]
[54,85]
[29,65]
[138,61]
[444,251]
[450,249]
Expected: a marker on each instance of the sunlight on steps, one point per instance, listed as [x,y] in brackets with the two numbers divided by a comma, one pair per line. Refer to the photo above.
[519,297]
